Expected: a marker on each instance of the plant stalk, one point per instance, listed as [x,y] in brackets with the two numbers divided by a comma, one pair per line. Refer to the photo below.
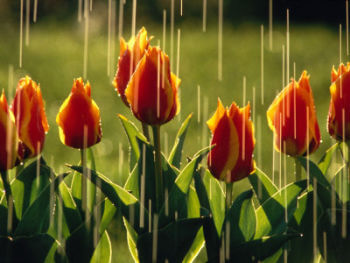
[9,199]
[297,167]
[158,167]
[228,203]
[145,130]
[229,187]
[83,181]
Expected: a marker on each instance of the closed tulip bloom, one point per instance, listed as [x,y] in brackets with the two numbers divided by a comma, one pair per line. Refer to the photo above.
[231,159]
[79,118]
[339,108]
[28,109]
[152,90]
[292,118]
[133,50]
[8,136]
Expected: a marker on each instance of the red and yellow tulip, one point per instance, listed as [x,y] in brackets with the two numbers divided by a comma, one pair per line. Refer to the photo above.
[292,118]
[8,136]
[79,118]
[28,109]
[233,136]
[339,108]
[133,50]
[152,89]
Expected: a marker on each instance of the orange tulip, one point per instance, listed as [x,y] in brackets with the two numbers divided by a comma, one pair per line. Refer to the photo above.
[233,136]
[8,136]
[152,90]
[339,108]
[133,50]
[28,109]
[79,118]
[292,118]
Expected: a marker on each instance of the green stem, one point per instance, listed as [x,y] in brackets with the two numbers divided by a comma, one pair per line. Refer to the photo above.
[229,187]
[297,166]
[9,199]
[145,130]
[158,167]
[83,181]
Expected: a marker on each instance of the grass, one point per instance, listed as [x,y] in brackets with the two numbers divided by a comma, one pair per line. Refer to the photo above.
[55,56]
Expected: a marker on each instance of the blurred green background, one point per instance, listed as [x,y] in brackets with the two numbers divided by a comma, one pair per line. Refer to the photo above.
[54,56]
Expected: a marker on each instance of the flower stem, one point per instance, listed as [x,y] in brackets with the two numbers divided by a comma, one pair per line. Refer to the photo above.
[297,173]
[9,199]
[229,187]
[83,181]
[145,130]
[158,167]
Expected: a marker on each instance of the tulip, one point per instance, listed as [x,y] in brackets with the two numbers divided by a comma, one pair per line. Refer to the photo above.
[28,109]
[339,108]
[133,50]
[8,137]
[231,159]
[79,118]
[292,118]
[152,89]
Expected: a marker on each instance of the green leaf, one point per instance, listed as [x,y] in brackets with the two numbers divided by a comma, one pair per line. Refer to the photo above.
[211,234]
[341,184]
[24,249]
[146,166]
[271,214]
[35,219]
[129,205]
[263,187]
[177,205]
[91,189]
[176,152]
[131,237]
[29,184]
[103,251]
[171,242]
[301,249]
[259,249]
[242,219]
[70,211]
[109,211]
[133,134]
[326,159]
[314,171]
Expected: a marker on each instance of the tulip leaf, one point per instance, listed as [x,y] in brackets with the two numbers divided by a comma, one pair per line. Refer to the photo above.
[169,243]
[3,216]
[128,203]
[263,187]
[103,251]
[133,134]
[301,249]
[176,152]
[241,219]
[109,211]
[324,189]
[91,189]
[131,237]
[341,184]
[34,248]
[176,204]
[326,159]
[28,185]
[314,171]
[35,219]
[193,211]
[259,249]
[70,211]
[146,167]
[271,214]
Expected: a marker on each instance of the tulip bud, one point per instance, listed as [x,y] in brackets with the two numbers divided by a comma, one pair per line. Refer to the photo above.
[231,159]
[292,118]
[79,118]
[8,136]
[28,109]
[152,89]
[339,108]
[130,51]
